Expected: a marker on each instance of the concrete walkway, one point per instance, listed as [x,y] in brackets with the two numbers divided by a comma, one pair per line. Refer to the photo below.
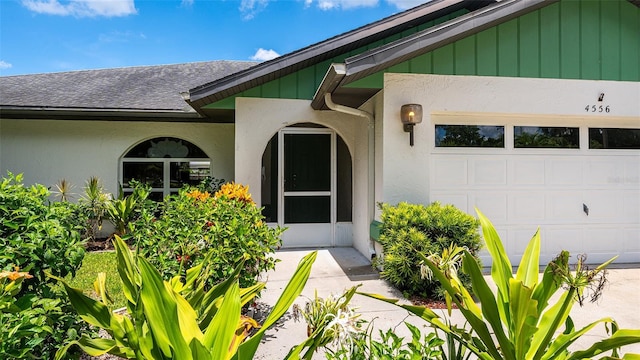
[338,269]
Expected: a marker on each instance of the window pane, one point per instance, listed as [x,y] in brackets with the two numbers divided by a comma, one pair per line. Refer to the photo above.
[307,162]
[610,138]
[270,181]
[344,182]
[469,136]
[149,173]
[546,137]
[307,209]
[188,173]
[166,148]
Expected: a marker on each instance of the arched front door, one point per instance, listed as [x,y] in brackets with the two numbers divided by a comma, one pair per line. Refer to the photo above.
[306,174]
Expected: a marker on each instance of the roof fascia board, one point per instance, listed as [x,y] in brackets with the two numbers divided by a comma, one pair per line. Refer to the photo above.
[427,40]
[285,64]
[24,112]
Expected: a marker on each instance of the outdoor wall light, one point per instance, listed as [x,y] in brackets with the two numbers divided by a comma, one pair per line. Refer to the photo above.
[410,114]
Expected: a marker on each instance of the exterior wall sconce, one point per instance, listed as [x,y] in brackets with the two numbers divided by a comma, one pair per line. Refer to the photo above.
[410,114]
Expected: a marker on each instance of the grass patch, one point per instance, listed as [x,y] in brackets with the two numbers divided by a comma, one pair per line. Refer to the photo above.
[94,263]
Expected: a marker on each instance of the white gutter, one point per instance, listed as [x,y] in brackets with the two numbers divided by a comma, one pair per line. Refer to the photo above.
[371,144]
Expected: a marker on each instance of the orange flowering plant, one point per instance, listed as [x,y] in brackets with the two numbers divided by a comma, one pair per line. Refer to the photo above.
[228,227]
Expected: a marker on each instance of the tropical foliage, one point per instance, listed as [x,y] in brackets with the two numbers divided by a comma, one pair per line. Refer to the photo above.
[179,318]
[520,320]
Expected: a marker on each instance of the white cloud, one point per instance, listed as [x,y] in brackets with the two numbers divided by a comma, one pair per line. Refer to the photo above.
[264,55]
[187,3]
[82,8]
[249,8]
[5,65]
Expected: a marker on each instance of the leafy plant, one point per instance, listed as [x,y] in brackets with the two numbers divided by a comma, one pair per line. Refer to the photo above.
[40,238]
[63,190]
[329,320]
[178,319]
[123,211]
[519,320]
[94,204]
[193,225]
[410,232]
[211,184]
[391,347]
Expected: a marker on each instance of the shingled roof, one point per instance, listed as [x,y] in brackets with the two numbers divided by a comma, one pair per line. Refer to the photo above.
[130,91]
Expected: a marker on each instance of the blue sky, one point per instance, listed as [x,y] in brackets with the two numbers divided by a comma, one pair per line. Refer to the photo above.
[41,36]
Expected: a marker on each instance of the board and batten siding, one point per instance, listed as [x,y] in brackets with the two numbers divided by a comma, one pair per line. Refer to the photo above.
[589,40]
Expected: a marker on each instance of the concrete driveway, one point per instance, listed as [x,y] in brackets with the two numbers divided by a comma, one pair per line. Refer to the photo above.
[338,269]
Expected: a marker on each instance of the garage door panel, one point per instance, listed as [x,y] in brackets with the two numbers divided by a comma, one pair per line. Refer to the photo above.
[604,205]
[560,238]
[492,204]
[631,207]
[564,172]
[456,199]
[518,241]
[526,207]
[527,172]
[599,240]
[565,207]
[629,237]
[604,172]
[632,172]
[489,172]
[449,172]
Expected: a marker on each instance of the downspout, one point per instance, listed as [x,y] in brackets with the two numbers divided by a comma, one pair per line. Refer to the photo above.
[371,145]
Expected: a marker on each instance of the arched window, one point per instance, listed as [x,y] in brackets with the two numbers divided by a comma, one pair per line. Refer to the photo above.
[166,164]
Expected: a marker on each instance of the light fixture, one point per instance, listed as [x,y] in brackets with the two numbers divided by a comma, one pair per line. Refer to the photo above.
[410,114]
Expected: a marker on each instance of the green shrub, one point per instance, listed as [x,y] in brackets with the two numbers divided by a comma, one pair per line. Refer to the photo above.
[39,238]
[409,230]
[227,228]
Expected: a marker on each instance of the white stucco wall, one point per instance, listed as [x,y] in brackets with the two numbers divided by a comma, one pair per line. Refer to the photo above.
[46,151]
[257,120]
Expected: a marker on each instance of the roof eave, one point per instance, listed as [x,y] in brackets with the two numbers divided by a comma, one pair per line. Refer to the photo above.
[283,65]
[60,113]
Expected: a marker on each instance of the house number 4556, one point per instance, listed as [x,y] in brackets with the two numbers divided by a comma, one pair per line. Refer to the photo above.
[597,108]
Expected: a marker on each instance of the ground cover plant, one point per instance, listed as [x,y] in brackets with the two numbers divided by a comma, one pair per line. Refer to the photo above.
[520,321]
[226,228]
[96,262]
[412,231]
[39,238]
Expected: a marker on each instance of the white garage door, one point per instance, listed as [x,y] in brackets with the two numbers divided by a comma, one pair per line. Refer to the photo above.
[585,196]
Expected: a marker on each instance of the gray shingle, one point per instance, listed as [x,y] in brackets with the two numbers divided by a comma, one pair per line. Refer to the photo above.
[135,88]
